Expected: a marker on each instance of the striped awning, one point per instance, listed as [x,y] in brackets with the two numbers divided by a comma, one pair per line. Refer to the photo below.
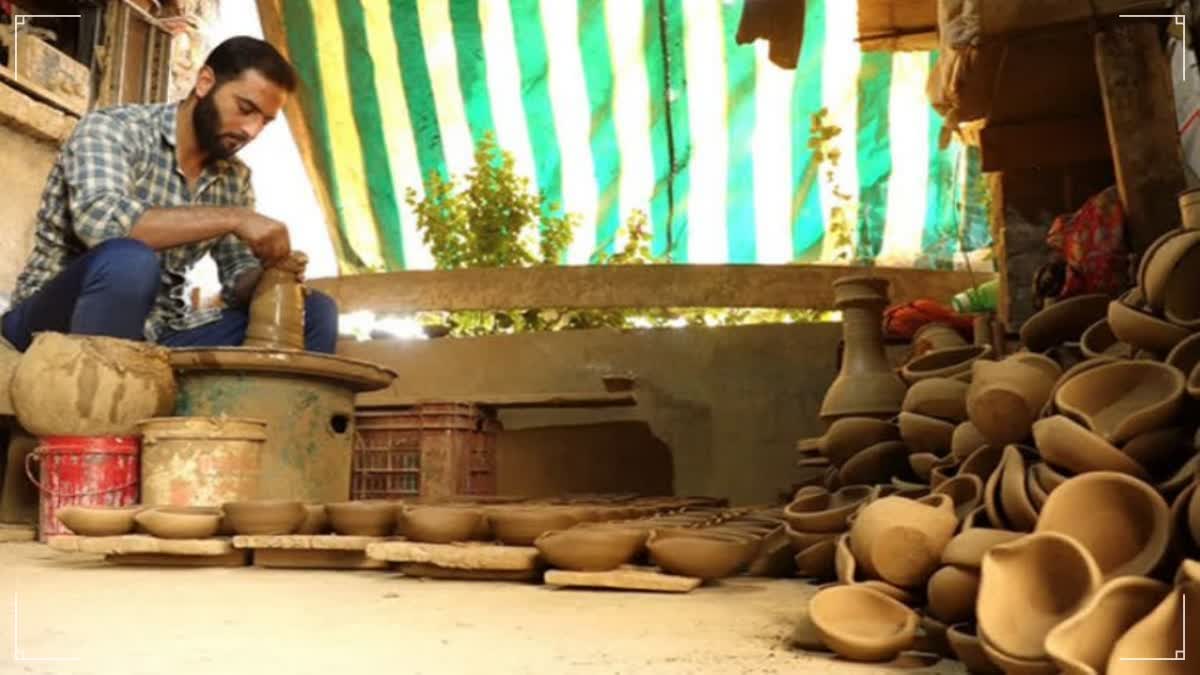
[612,106]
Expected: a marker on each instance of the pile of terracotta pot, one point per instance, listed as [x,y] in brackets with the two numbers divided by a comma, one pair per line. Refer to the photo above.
[1029,513]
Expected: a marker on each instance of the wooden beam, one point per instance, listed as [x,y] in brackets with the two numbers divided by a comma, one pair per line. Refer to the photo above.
[1047,143]
[1139,104]
[897,25]
[920,41]
[1000,18]
[628,286]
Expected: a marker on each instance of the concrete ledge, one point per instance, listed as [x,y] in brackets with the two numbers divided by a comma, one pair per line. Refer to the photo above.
[27,115]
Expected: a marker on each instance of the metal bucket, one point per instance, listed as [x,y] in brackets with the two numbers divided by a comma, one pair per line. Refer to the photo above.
[201,461]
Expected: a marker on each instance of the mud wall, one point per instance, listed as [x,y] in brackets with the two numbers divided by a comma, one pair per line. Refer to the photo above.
[24,165]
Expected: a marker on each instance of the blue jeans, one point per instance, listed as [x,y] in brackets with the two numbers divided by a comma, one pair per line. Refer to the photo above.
[110,290]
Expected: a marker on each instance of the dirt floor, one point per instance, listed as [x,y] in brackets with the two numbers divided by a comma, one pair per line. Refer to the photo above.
[133,621]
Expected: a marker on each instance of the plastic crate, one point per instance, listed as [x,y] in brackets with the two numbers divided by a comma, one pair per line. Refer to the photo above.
[431,450]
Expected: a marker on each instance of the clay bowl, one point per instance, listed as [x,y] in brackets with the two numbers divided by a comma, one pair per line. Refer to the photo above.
[1121,400]
[1183,543]
[802,540]
[1046,476]
[924,434]
[1030,585]
[939,397]
[1143,330]
[982,463]
[847,436]
[922,465]
[862,624]
[1186,354]
[1193,515]
[699,555]
[1006,396]
[1063,321]
[176,522]
[848,573]
[1099,341]
[316,520]
[1082,643]
[1037,494]
[827,512]
[1162,262]
[521,526]
[967,548]
[591,549]
[362,518]
[1018,508]
[439,524]
[1078,368]
[1013,665]
[1156,450]
[964,642]
[966,440]
[876,464]
[900,540]
[1064,443]
[98,521]
[952,592]
[817,561]
[1159,634]
[949,363]
[265,516]
[966,491]
[935,335]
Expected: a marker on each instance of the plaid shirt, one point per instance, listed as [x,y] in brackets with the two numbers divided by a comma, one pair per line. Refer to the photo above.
[118,163]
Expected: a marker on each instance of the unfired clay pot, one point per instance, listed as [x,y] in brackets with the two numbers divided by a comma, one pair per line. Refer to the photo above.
[1063,321]
[982,463]
[817,561]
[316,520]
[1029,586]
[966,439]
[591,549]
[1064,443]
[1012,665]
[848,573]
[933,336]
[172,522]
[1082,643]
[861,624]
[966,491]
[900,540]
[277,308]
[521,526]
[967,548]
[953,362]
[702,556]
[801,540]
[952,592]
[939,397]
[1162,261]
[925,434]
[439,524]
[964,642]
[1019,511]
[1005,397]
[98,521]
[1186,354]
[876,464]
[826,512]
[265,517]
[866,386]
[1099,342]
[1167,632]
[1121,400]
[362,518]
[83,385]
[1078,368]
[847,436]
[1142,329]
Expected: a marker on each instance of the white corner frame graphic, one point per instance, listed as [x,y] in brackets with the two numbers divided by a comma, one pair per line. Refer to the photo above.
[1180,20]
[22,19]
[16,642]
[1180,654]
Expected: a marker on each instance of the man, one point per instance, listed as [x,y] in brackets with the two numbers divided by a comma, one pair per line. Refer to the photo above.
[140,193]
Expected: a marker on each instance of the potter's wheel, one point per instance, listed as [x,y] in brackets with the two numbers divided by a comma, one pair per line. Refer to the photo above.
[358,375]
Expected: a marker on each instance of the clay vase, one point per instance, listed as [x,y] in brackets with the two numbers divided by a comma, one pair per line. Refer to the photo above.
[591,549]
[362,518]
[77,385]
[265,517]
[316,520]
[966,549]
[866,386]
[98,521]
[1063,321]
[699,555]
[900,540]
[953,362]
[849,435]
[1166,633]
[277,311]
[827,512]
[952,592]
[1064,443]
[933,336]
[1121,400]
[876,464]
[966,491]
[1082,643]
[966,439]
[964,642]
[861,624]
[1006,397]
[521,526]
[439,524]
[939,397]
[1028,587]
[1143,330]
[1100,342]
[171,522]
[848,573]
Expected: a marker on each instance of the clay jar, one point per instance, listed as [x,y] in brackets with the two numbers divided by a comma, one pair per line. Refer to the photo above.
[75,385]
[1120,520]
[901,540]
[265,517]
[705,556]
[862,624]
[439,524]
[1121,400]
[362,518]
[1006,397]
[277,307]
[591,549]
[171,522]
[849,435]
[98,521]
[1082,643]
[866,385]
[1029,586]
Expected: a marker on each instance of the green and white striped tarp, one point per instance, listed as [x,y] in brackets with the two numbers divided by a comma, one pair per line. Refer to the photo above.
[709,138]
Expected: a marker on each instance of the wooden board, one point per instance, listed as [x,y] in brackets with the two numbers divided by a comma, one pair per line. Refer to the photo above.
[142,544]
[468,556]
[16,533]
[230,559]
[426,571]
[897,25]
[296,558]
[315,542]
[384,399]
[628,578]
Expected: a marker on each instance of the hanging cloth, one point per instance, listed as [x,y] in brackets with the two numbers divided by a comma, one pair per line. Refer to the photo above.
[779,22]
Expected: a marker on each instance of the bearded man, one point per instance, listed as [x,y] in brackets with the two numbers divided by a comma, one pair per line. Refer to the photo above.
[140,193]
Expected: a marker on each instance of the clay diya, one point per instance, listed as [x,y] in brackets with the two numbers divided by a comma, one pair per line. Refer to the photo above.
[1047,575]
[966,491]
[1037,494]
[805,636]
[1162,261]
[1156,449]
[1018,508]
[98,521]
[699,555]
[933,336]
[439,524]
[964,642]
[876,464]
[802,540]
[1183,543]
[1082,643]
[966,549]
[1121,400]
[982,463]
[179,522]
[521,526]
[866,385]
[1013,665]
[817,561]
[925,434]
[1078,368]
[316,520]
[975,518]
[1166,634]
[1180,478]
[1193,516]
[1046,476]
[939,397]
[265,516]
[848,573]
[1099,341]
[900,540]
[847,436]
[952,592]
[827,512]
[944,363]
[922,465]
[862,624]
[931,637]
[1005,397]
[1064,443]
[1063,321]
[1186,354]
[1143,330]
[591,549]
[966,440]
[362,518]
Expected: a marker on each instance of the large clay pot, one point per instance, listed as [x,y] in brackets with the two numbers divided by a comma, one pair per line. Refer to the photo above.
[1028,587]
[866,386]
[1006,397]
[77,385]
[847,436]
[862,624]
[277,307]
[901,540]
[1082,643]
[1121,400]
[1063,321]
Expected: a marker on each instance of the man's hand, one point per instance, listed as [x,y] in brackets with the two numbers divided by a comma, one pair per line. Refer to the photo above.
[266,237]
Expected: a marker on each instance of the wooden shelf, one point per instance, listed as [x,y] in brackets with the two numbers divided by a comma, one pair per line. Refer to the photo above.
[41,93]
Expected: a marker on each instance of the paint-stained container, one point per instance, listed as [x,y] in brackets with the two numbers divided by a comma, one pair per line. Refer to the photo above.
[201,461]
[82,470]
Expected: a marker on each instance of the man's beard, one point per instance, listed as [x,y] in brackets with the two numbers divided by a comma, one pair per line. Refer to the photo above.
[206,120]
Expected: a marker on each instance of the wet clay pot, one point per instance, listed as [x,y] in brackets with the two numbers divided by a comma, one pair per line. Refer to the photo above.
[967,548]
[277,310]
[265,517]
[1143,330]
[316,520]
[1082,643]
[1167,632]
[862,624]
[848,573]
[966,439]
[952,592]
[75,385]
[1066,444]
[98,521]
[940,397]
[1028,587]
[925,434]
[1063,321]
[827,512]
[439,524]
[1100,342]
[591,549]
[362,518]
[1121,400]
[847,436]
[700,555]
[954,362]
[964,642]
[900,540]
[1006,397]
[172,522]
[866,385]
[518,526]
[876,464]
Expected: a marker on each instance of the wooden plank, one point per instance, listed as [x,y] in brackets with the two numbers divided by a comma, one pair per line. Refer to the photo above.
[314,542]
[920,41]
[384,399]
[628,286]
[1009,16]
[16,533]
[425,571]
[293,558]
[141,543]
[469,556]
[1047,143]
[230,559]
[627,578]
[897,25]
[1135,79]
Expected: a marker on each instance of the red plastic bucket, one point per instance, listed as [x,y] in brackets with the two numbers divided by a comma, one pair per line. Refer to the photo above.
[84,470]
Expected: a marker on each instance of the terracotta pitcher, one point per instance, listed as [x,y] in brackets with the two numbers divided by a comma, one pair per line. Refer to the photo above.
[867,385]
[277,307]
